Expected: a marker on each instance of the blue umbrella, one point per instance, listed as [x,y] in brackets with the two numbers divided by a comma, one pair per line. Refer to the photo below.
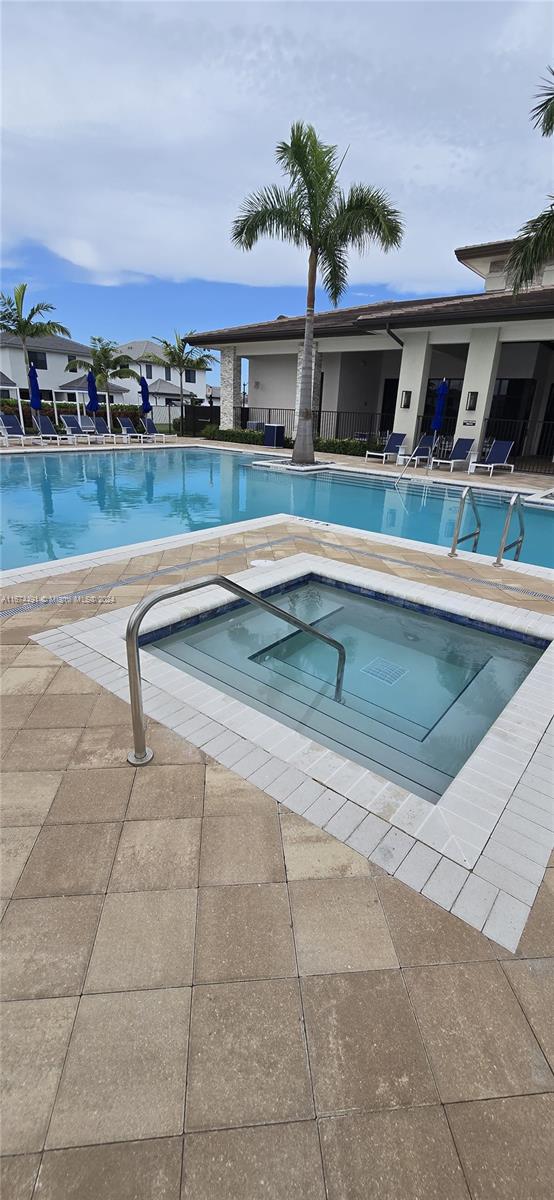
[146,405]
[34,390]
[440,402]
[92,405]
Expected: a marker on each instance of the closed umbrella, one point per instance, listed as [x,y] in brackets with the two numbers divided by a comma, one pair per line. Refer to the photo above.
[92,404]
[438,415]
[146,406]
[34,390]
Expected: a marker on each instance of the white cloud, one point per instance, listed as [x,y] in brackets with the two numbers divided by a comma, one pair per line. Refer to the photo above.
[132,131]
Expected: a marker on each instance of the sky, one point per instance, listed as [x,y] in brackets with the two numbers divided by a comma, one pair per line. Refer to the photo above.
[132,131]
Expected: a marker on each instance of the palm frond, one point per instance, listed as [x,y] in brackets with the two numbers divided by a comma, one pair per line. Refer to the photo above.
[270,212]
[542,114]
[334,271]
[365,215]
[78,364]
[312,167]
[533,247]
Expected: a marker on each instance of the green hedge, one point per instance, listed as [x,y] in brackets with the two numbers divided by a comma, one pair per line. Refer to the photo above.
[250,437]
[255,438]
[64,406]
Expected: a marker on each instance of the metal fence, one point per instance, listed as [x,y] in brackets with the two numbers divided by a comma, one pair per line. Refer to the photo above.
[533,448]
[327,424]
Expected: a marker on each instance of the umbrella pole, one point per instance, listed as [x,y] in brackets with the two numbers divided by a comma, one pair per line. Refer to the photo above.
[20,407]
[78,407]
[55,408]
[108,413]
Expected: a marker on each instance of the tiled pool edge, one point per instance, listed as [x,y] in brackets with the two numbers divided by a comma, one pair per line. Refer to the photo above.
[491,881]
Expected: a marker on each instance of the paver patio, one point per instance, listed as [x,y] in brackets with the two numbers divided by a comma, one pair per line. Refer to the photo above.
[206,997]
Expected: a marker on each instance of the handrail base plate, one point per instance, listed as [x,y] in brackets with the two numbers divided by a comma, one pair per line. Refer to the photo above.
[140,762]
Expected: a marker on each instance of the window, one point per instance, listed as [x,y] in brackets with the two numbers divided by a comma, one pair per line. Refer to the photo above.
[148,370]
[167,373]
[471,402]
[71,360]
[190,376]
[38,359]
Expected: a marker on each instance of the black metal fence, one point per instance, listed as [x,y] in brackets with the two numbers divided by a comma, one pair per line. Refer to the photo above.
[327,424]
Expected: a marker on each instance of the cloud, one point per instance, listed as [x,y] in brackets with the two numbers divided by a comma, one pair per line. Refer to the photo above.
[132,131]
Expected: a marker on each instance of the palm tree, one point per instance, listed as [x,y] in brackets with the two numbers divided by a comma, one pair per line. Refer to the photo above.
[534,245]
[181,357]
[106,365]
[27,326]
[313,212]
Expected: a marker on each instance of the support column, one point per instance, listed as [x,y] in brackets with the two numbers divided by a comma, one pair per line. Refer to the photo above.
[230,386]
[414,376]
[479,378]
[316,379]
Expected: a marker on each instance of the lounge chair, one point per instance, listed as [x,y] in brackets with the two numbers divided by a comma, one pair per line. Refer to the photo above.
[102,428]
[423,450]
[497,457]
[391,450]
[88,426]
[150,429]
[458,454]
[73,428]
[45,428]
[128,429]
[11,431]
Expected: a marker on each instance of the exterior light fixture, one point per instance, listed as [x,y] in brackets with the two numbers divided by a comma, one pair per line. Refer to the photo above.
[405,399]
[471,402]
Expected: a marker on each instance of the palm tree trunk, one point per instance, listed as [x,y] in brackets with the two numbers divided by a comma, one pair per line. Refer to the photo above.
[303,452]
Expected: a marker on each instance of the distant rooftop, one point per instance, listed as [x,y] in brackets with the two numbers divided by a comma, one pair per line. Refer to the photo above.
[53,342]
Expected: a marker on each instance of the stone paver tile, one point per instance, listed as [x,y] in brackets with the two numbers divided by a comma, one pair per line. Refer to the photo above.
[83,796]
[26,681]
[475,1034]
[46,946]
[124,1076]
[310,852]
[102,746]
[147,1170]
[41,749]
[364,1044]
[537,940]
[248,1062]
[424,933]
[16,709]
[60,712]
[282,1162]
[34,1036]
[144,940]
[70,682]
[243,932]
[533,984]
[227,794]
[244,849]
[33,655]
[17,1176]
[25,797]
[8,653]
[6,738]
[167,792]
[404,1154]
[169,747]
[15,847]
[339,925]
[69,860]
[153,855]
[506,1147]
[109,710]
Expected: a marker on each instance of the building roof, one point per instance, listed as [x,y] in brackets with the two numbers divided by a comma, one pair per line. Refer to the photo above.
[482,249]
[399,314]
[62,345]
[163,387]
[6,382]
[79,384]
[140,349]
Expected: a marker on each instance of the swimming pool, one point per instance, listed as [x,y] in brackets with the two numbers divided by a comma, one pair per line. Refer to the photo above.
[56,505]
[419,693]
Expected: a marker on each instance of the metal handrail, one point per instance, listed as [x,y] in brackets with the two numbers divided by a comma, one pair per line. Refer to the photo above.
[141,754]
[413,455]
[466,493]
[514,505]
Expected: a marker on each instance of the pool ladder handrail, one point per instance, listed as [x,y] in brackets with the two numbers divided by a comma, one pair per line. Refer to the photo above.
[141,754]
[514,505]
[467,493]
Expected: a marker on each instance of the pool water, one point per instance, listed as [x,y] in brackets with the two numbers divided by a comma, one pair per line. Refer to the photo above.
[420,691]
[56,505]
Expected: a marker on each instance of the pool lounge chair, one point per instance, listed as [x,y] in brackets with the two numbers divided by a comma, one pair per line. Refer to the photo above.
[497,457]
[73,428]
[151,431]
[45,428]
[88,426]
[102,428]
[458,454]
[391,450]
[128,429]
[11,431]
[423,450]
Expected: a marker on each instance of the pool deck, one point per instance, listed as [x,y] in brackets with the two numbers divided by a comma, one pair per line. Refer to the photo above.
[209,997]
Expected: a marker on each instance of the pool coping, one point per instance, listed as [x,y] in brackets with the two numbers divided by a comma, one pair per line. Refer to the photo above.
[480,852]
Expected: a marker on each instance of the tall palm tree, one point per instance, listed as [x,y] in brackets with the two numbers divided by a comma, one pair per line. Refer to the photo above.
[27,326]
[313,212]
[181,357]
[106,364]
[534,245]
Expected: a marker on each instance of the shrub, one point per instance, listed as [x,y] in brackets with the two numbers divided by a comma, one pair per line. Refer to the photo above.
[344,446]
[250,437]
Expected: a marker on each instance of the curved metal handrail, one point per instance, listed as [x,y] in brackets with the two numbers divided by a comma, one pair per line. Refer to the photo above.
[141,754]
[514,505]
[467,494]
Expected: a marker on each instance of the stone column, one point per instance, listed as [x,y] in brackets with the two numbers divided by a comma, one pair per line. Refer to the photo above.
[230,386]
[316,379]
[414,376]
[479,377]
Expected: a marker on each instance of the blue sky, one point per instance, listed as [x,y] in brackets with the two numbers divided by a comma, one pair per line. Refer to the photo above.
[123,166]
